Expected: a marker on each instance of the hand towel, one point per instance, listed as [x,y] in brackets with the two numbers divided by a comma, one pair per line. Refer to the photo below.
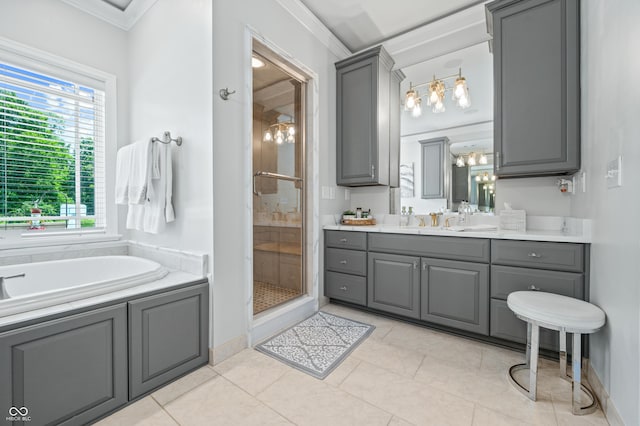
[138,206]
[123,167]
[158,210]
[139,171]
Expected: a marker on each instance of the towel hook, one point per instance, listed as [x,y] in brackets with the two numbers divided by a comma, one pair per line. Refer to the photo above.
[224,93]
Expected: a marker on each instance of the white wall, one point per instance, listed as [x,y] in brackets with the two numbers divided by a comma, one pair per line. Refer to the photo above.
[232,138]
[610,127]
[62,30]
[539,196]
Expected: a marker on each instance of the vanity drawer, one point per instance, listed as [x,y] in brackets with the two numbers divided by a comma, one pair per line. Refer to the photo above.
[346,239]
[506,279]
[535,254]
[454,248]
[347,261]
[349,288]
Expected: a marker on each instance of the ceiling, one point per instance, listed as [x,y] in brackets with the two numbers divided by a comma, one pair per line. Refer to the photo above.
[121,13]
[120,4]
[364,23]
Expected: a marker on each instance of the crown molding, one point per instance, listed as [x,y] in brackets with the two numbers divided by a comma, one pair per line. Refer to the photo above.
[122,19]
[311,22]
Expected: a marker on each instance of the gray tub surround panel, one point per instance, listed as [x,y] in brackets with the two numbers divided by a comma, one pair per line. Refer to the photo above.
[457,280]
[66,371]
[536,44]
[455,294]
[393,284]
[365,120]
[167,337]
[73,367]
[435,168]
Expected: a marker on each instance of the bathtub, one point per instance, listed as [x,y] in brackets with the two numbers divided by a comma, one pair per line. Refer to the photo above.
[41,284]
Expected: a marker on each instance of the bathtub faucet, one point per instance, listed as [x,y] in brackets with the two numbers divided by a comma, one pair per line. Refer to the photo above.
[3,290]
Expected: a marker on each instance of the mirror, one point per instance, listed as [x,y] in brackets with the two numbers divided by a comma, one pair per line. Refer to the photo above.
[469,130]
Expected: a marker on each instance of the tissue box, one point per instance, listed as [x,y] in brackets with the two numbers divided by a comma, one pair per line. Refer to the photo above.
[513,221]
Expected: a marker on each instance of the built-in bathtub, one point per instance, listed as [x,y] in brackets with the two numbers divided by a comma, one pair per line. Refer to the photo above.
[60,281]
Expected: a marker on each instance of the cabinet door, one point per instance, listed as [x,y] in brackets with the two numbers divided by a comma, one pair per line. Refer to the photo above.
[394,284]
[168,335]
[536,87]
[434,157]
[357,139]
[455,294]
[395,108]
[67,371]
[460,184]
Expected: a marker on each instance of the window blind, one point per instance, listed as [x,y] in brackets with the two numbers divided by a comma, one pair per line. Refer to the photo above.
[52,138]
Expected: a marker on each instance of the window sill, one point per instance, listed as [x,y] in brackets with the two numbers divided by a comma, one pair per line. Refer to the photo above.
[17,241]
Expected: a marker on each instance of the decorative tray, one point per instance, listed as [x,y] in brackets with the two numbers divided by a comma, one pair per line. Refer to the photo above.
[359,222]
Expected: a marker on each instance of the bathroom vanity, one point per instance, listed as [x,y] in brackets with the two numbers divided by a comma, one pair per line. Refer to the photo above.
[456,281]
[76,366]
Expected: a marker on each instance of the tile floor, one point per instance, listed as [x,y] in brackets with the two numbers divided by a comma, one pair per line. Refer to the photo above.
[401,375]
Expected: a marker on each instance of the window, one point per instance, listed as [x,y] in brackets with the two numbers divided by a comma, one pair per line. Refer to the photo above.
[52,138]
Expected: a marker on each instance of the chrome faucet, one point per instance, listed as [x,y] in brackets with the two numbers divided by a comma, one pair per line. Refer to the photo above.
[3,290]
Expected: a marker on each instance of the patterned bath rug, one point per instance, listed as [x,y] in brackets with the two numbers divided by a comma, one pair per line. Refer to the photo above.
[318,344]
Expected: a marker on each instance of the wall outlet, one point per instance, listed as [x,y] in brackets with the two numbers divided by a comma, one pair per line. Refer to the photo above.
[332,193]
[614,173]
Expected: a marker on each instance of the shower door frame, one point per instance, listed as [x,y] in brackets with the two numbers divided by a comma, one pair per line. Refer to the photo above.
[270,52]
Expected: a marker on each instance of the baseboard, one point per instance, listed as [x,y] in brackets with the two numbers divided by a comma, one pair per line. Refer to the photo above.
[608,408]
[227,350]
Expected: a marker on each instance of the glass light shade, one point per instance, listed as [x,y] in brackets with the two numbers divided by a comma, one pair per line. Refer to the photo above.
[410,99]
[439,107]
[268,137]
[460,162]
[290,139]
[464,102]
[493,178]
[460,88]
[417,109]
[478,179]
[482,159]
[279,134]
[291,130]
[485,177]
[433,96]
[472,159]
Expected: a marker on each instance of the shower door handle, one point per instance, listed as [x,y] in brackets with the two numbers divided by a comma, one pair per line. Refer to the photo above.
[270,175]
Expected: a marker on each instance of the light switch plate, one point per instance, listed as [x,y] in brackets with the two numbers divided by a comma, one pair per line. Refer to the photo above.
[326,193]
[614,173]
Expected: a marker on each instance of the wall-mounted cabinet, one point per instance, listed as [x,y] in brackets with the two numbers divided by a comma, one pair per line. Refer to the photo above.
[536,65]
[368,120]
[435,168]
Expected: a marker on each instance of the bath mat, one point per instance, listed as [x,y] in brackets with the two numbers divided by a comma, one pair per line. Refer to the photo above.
[318,344]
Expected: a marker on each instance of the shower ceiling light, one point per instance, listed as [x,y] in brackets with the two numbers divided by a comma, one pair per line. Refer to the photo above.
[435,94]
[256,63]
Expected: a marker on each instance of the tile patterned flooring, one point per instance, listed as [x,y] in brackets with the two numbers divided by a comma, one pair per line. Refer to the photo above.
[401,375]
[266,296]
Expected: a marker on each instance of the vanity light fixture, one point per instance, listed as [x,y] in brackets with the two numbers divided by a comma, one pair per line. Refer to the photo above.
[435,94]
[280,132]
[485,178]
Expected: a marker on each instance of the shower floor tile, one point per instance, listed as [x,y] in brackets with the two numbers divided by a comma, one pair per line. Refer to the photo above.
[266,296]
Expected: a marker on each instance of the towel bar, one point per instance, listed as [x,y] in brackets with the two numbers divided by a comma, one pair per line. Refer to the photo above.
[166,138]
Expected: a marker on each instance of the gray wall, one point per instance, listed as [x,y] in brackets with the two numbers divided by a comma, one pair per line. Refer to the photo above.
[611,127]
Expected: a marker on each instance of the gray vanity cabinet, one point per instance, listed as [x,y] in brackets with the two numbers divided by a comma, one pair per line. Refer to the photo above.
[455,294]
[167,337]
[67,371]
[393,284]
[364,87]
[536,56]
[435,168]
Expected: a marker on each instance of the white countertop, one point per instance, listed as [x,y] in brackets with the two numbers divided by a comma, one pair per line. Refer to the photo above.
[530,235]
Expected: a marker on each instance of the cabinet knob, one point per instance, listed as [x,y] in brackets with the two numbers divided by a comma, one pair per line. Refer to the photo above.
[424,266]
[415,264]
[343,288]
[373,171]
[534,288]
[343,240]
[534,254]
[343,262]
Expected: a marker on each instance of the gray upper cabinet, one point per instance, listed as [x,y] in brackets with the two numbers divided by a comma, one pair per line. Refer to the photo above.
[167,337]
[364,107]
[459,184]
[67,371]
[435,168]
[536,86]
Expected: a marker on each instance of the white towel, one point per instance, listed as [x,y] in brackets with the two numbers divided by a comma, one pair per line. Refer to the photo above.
[132,173]
[158,209]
